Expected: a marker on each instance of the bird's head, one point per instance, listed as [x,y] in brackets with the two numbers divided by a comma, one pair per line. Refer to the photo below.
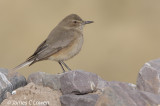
[74,21]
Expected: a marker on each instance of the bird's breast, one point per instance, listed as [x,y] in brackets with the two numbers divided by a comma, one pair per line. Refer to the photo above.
[69,51]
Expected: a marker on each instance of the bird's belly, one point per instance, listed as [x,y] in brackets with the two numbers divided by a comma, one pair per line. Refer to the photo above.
[69,51]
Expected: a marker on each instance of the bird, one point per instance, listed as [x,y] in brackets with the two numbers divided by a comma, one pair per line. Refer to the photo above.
[64,42]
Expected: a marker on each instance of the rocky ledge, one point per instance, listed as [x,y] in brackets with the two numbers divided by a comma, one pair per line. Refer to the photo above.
[80,88]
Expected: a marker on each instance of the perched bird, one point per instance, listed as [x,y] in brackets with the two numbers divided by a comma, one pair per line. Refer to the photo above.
[63,42]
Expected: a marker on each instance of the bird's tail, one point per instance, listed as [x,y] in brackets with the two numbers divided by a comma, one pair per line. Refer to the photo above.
[22,65]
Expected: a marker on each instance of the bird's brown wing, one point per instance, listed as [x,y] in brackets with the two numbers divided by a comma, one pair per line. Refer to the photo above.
[40,48]
[57,40]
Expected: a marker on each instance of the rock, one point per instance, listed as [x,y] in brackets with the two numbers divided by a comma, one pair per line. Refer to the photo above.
[33,95]
[102,84]
[79,100]
[47,80]
[5,84]
[123,85]
[78,82]
[151,98]
[80,88]
[123,94]
[17,81]
[9,83]
[149,77]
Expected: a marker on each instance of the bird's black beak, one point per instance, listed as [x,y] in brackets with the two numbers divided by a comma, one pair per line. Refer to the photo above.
[88,22]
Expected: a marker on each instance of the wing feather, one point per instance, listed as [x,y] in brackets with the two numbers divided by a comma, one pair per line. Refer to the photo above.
[57,40]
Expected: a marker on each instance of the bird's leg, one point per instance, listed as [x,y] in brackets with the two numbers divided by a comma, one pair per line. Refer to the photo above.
[61,66]
[65,65]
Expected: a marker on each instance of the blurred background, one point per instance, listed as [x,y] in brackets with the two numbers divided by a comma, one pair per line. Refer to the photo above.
[125,35]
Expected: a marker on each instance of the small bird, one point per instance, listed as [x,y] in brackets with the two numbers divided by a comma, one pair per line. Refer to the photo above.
[64,42]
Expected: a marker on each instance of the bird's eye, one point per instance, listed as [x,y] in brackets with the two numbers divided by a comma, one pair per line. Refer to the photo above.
[75,22]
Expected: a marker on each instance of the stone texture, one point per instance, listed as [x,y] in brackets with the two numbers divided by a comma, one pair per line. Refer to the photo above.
[123,94]
[113,94]
[5,84]
[101,84]
[78,82]
[17,81]
[47,80]
[80,88]
[149,77]
[79,100]
[33,95]
[9,83]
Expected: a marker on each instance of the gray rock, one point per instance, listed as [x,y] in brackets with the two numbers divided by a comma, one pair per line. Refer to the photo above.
[149,77]
[102,84]
[47,80]
[123,85]
[80,88]
[78,82]
[5,85]
[17,81]
[9,83]
[79,100]
[151,98]
[123,94]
